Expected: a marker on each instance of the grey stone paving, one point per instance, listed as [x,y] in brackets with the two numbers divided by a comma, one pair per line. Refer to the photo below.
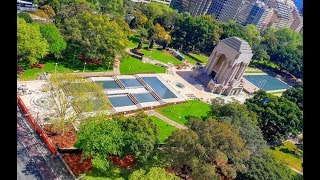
[34,159]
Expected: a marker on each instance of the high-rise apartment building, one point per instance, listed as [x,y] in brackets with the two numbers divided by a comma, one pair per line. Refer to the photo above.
[284,10]
[298,21]
[216,7]
[261,13]
[195,7]
[148,1]
[244,11]
[299,5]
[230,10]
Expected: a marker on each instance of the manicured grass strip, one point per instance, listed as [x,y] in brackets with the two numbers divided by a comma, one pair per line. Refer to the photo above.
[285,154]
[131,65]
[31,74]
[194,58]
[203,58]
[63,66]
[134,42]
[181,112]
[165,129]
[161,56]
[267,64]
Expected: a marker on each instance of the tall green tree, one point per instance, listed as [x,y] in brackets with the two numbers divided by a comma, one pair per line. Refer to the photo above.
[155,9]
[54,39]
[100,138]
[231,28]
[246,122]
[277,116]
[72,98]
[141,135]
[139,20]
[31,46]
[154,173]
[195,34]
[295,94]
[250,33]
[120,136]
[206,149]
[26,16]
[266,168]
[285,48]
[113,7]
[98,37]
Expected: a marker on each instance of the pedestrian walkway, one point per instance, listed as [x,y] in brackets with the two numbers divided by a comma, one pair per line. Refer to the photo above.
[34,159]
[173,123]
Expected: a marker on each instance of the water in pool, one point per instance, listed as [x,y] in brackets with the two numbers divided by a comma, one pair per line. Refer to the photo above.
[144,97]
[159,87]
[131,82]
[120,101]
[111,84]
[266,82]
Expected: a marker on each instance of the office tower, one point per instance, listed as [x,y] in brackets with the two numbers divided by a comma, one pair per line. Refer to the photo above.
[298,21]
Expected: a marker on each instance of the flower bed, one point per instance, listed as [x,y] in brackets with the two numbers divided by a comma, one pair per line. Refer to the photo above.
[65,140]
[77,165]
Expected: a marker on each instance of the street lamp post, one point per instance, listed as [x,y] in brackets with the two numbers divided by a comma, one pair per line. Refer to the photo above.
[109,65]
[55,68]
[84,66]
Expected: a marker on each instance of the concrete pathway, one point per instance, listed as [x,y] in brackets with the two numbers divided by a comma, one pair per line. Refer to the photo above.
[173,123]
[34,159]
[295,169]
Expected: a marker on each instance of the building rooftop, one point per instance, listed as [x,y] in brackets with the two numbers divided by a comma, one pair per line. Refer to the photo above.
[238,44]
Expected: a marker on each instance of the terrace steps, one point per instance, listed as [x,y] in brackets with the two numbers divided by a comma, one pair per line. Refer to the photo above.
[121,85]
[134,100]
[151,91]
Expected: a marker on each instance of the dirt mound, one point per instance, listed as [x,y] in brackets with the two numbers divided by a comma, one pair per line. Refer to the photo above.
[127,161]
[65,140]
[77,165]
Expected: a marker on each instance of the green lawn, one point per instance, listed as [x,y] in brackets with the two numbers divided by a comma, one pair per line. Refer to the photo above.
[62,67]
[194,58]
[161,56]
[285,154]
[266,64]
[203,58]
[113,174]
[181,112]
[131,65]
[134,42]
[165,129]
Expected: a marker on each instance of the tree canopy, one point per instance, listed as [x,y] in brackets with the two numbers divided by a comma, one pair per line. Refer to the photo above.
[154,173]
[284,46]
[295,94]
[266,168]
[121,136]
[26,16]
[277,116]
[250,33]
[97,36]
[206,149]
[195,33]
[72,98]
[54,39]
[140,135]
[246,122]
[31,45]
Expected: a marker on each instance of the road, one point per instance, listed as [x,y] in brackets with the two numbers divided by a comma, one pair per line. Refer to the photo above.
[34,159]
